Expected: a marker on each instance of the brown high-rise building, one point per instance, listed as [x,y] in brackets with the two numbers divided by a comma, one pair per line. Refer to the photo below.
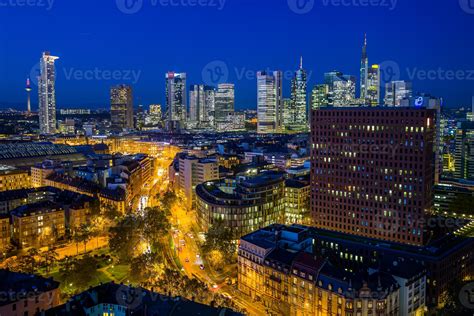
[121,107]
[372,171]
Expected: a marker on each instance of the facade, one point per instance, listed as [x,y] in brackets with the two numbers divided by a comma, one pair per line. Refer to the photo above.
[224,102]
[176,100]
[26,294]
[13,179]
[297,202]
[341,88]
[464,154]
[155,116]
[320,96]
[244,204]
[38,225]
[194,171]
[451,197]
[372,171]
[113,200]
[297,118]
[373,86]
[396,91]
[269,102]
[201,106]
[277,266]
[5,232]
[47,94]
[121,107]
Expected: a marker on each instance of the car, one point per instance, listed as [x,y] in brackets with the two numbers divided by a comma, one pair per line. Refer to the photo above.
[198,256]
[214,286]
[201,267]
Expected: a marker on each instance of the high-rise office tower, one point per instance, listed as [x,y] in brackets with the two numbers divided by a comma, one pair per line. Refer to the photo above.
[372,171]
[287,113]
[196,103]
[320,96]
[299,95]
[155,115]
[364,71]
[269,102]
[342,88]
[396,91]
[121,107]
[47,94]
[176,100]
[373,86]
[224,102]
[28,95]
[464,155]
[210,100]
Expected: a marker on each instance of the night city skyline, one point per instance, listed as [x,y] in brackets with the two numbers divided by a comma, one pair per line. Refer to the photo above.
[239,37]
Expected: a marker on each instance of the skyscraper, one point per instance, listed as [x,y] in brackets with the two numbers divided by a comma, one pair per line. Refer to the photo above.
[287,113]
[196,103]
[28,93]
[320,96]
[299,95]
[269,102]
[364,71]
[210,100]
[372,171]
[373,86]
[396,91]
[176,103]
[341,88]
[47,94]
[121,107]
[224,102]
[464,155]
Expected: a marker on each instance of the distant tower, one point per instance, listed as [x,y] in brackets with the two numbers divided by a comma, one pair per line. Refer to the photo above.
[28,93]
[364,71]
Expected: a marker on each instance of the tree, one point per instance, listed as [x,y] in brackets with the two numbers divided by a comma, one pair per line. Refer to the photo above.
[220,238]
[78,275]
[125,237]
[155,226]
[49,258]
[147,268]
[452,305]
[28,263]
[168,201]
[85,231]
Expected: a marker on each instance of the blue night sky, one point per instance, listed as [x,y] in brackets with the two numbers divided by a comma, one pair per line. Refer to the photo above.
[96,41]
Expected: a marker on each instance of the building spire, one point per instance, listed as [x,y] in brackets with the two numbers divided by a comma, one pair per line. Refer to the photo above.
[301,62]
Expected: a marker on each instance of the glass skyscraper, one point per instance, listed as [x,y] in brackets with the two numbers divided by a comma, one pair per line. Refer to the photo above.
[176,100]
[341,88]
[396,91]
[299,94]
[269,102]
[121,107]
[47,94]
[373,86]
[224,102]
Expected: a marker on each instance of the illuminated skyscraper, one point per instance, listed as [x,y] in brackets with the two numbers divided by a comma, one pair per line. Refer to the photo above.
[201,106]
[341,88]
[196,103]
[28,93]
[396,91]
[364,71]
[121,107]
[269,102]
[373,86]
[176,103]
[47,94]
[224,102]
[320,96]
[298,111]
[287,113]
